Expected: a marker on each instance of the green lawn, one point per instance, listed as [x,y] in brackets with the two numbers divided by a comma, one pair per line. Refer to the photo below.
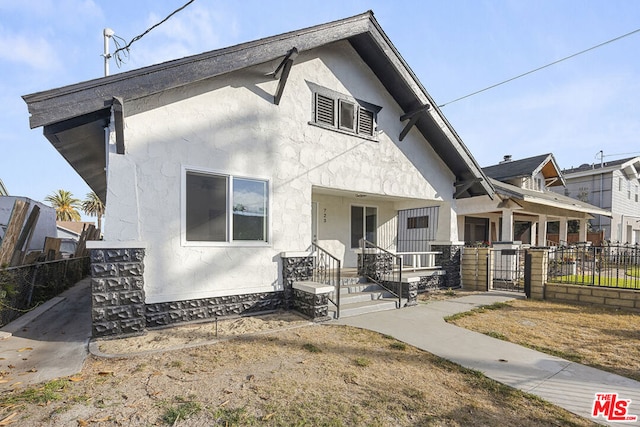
[631,281]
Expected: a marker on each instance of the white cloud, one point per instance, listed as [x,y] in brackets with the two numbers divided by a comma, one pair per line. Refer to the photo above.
[35,52]
[193,30]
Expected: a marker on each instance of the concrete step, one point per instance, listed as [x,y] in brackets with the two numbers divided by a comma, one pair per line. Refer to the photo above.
[355,297]
[360,287]
[357,308]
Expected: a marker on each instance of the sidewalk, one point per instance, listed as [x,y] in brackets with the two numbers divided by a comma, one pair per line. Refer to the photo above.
[566,384]
[49,342]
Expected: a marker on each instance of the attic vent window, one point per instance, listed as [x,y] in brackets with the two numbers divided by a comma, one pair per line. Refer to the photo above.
[325,110]
[340,112]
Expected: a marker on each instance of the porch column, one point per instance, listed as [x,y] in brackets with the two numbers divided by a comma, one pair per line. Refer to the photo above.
[534,234]
[542,230]
[507,225]
[583,230]
[562,234]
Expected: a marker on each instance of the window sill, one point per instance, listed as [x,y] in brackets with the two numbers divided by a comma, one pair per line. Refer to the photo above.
[373,138]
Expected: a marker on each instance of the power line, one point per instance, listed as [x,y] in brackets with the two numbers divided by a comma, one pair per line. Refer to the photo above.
[540,68]
[125,49]
[621,154]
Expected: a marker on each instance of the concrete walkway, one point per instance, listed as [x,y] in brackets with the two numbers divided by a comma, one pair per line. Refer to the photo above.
[52,342]
[566,384]
[49,342]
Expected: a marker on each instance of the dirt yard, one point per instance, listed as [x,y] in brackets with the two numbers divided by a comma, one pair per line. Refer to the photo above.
[276,371]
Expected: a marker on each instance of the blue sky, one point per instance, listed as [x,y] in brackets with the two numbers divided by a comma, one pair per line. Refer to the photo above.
[455,47]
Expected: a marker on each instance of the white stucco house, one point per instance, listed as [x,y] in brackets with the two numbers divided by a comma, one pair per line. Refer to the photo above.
[219,170]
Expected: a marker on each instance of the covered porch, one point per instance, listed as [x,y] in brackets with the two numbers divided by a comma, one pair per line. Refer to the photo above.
[402,226]
[526,216]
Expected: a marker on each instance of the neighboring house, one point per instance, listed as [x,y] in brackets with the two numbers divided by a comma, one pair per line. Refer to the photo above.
[3,189]
[45,226]
[524,205]
[71,229]
[614,186]
[223,165]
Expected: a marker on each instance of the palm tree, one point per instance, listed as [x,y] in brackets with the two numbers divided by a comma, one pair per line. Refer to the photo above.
[93,206]
[65,204]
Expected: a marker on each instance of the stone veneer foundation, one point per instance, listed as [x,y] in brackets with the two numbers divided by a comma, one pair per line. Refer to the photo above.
[117,295]
[117,291]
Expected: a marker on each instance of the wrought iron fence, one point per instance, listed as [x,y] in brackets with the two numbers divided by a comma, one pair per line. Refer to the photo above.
[24,288]
[613,266]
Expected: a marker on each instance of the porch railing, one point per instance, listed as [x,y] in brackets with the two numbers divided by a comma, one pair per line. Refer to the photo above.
[326,270]
[614,266]
[382,267]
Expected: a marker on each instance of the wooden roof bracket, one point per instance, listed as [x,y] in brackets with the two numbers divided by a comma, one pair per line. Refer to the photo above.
[118,117]
[282,73]
[413,117]
[463,186]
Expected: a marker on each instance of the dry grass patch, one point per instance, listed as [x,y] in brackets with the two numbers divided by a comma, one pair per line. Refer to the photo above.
[603,338]
[356,378]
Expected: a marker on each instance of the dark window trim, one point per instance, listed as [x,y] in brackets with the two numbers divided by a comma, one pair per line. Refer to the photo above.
[339,98]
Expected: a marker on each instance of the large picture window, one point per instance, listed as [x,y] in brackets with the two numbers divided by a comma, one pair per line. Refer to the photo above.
[364,224]
[225,208]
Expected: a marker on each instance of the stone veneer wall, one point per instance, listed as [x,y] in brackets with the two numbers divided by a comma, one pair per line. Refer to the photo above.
[117,292]
[432,282]
[450,260]
[168,313]
[295,268]
[375,265]
[315,307]
[118,307]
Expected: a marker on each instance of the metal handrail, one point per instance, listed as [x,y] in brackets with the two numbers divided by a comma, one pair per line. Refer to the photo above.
[379,273]
[326,270]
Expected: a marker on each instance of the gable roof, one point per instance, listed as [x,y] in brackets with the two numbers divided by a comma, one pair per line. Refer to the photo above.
[74,117]
[512,169]
[630,166]
[544,201]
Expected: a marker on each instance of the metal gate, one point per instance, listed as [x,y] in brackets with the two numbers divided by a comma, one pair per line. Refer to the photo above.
[508,270]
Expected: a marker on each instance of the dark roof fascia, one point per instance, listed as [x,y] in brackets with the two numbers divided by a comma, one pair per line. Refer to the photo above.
[461,154]
[65,103]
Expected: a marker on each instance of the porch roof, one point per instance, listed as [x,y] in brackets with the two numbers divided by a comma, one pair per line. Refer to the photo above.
[74,116]
[547,202]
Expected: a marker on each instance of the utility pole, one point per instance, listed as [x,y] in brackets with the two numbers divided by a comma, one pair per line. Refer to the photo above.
[107,33]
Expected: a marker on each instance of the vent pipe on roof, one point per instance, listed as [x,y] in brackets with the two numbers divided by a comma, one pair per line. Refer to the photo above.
[507,158]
